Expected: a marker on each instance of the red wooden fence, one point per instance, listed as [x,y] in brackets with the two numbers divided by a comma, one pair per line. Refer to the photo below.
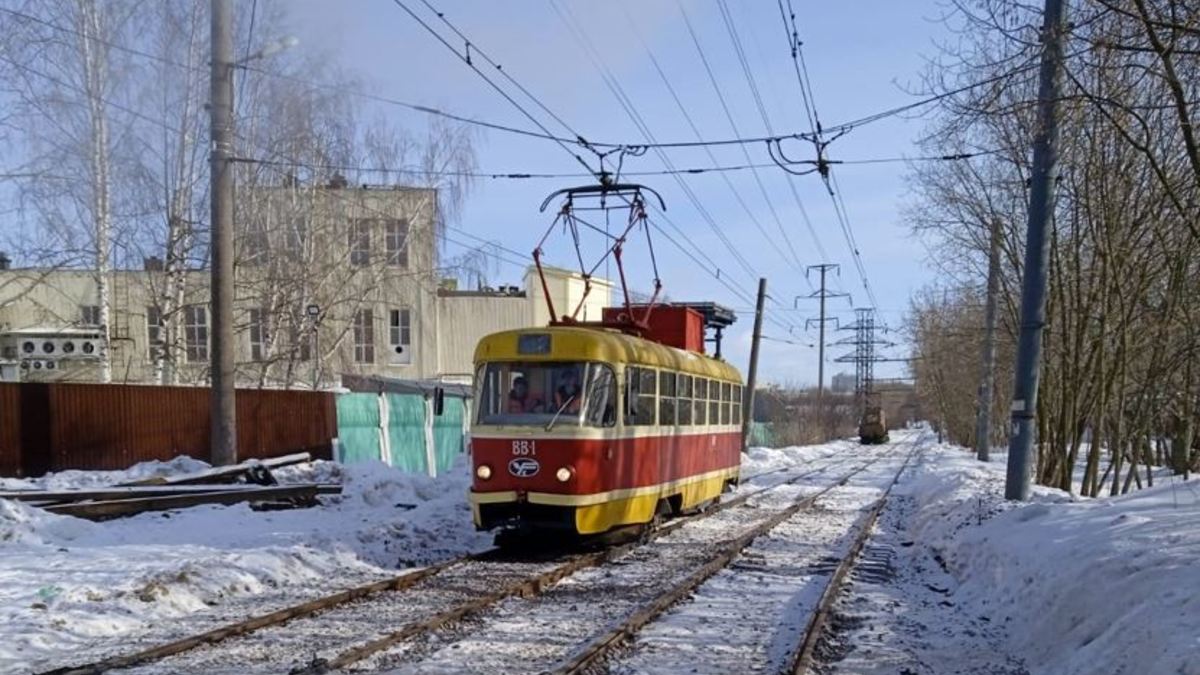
[51,427]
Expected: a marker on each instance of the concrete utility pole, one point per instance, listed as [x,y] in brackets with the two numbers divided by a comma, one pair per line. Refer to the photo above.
[223,372]
[752,375]
[1033,287]
[983,417]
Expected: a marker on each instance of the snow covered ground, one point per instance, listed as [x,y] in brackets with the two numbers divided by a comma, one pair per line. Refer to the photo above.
[955,580]
[71,588]
[1058,586]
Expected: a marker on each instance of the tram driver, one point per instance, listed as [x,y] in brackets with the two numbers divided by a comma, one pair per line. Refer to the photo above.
[519,400]
[567,395]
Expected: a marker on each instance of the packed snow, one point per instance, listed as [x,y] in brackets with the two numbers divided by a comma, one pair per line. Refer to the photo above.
[955,579]
[71,588]
[1060,585]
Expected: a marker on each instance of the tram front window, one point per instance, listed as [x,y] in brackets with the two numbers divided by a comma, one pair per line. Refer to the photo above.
[546,394]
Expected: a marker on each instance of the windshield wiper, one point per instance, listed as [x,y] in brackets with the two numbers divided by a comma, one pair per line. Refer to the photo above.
[558,412]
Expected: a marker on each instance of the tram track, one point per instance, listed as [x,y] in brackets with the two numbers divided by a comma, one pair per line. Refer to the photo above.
[815,626]
[590,655]
[524,585]
[530,588]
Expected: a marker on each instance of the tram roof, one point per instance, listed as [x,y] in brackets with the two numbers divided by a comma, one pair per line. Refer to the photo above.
[569,343]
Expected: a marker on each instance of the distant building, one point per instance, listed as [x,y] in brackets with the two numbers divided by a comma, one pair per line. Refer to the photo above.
[331,280]
[466,316]
[842,383]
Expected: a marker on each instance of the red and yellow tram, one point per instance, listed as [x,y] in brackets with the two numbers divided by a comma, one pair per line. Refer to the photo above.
[584,429]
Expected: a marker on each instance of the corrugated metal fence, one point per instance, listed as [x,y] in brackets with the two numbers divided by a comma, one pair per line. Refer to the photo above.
[51,427]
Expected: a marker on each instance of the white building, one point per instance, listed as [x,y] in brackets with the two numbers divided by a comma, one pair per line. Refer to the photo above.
[330,280]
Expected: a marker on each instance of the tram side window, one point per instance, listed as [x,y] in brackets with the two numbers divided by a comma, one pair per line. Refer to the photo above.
[601,396]
[701,408]
[714,402]
[666,398]
[684,408]
[640,388]
[725,402]
[735,417]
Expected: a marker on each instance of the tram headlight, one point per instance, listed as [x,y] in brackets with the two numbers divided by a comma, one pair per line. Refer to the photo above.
[483,471]
[564,474]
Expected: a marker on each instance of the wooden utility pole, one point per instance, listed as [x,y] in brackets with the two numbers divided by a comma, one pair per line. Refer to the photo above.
[752,375]
[223,366]
[1033,287]
[983,416]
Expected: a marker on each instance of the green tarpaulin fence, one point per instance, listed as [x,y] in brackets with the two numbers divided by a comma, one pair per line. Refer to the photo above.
[402,430]
[448,432]
[762,435]
[358,427]
[406,432]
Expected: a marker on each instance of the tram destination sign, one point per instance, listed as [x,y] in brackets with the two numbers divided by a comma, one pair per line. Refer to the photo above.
[533,343]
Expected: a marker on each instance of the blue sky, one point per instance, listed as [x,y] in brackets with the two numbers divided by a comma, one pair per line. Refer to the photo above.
[862,56]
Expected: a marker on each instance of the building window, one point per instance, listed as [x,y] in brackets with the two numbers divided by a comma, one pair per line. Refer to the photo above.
[89,315]
[294,239]
[258,335]
[154,337]
[400,335]
[364,337]
[256,243]
[397,243]
[195,332]
[360,242]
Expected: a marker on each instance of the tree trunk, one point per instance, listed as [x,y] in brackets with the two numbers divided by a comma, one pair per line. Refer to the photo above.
[94,64]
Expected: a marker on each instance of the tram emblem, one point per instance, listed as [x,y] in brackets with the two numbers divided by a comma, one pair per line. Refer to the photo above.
[523,467]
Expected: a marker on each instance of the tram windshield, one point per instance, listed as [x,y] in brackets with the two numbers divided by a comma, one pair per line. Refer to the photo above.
[554,394]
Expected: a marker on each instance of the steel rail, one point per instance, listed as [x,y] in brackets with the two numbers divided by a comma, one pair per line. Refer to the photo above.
[531,586]
[802,660]
[526,587]
[252,624]
[586,656]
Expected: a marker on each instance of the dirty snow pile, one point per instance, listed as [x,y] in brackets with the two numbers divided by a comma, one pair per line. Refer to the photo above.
[1080,586]
[68,585]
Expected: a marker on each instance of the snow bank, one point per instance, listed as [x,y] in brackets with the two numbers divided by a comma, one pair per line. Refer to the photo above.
[65,480]
[1082,586]
[758,460]
[68,585]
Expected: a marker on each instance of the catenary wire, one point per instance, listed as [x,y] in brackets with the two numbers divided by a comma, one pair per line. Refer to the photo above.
[626,103]
[799,268]
[430,110]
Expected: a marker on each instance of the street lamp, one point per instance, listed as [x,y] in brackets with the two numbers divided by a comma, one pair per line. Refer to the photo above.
[314,319]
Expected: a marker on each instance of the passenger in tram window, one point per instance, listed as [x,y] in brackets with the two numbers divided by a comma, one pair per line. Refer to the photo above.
[566,396]
[519,400]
